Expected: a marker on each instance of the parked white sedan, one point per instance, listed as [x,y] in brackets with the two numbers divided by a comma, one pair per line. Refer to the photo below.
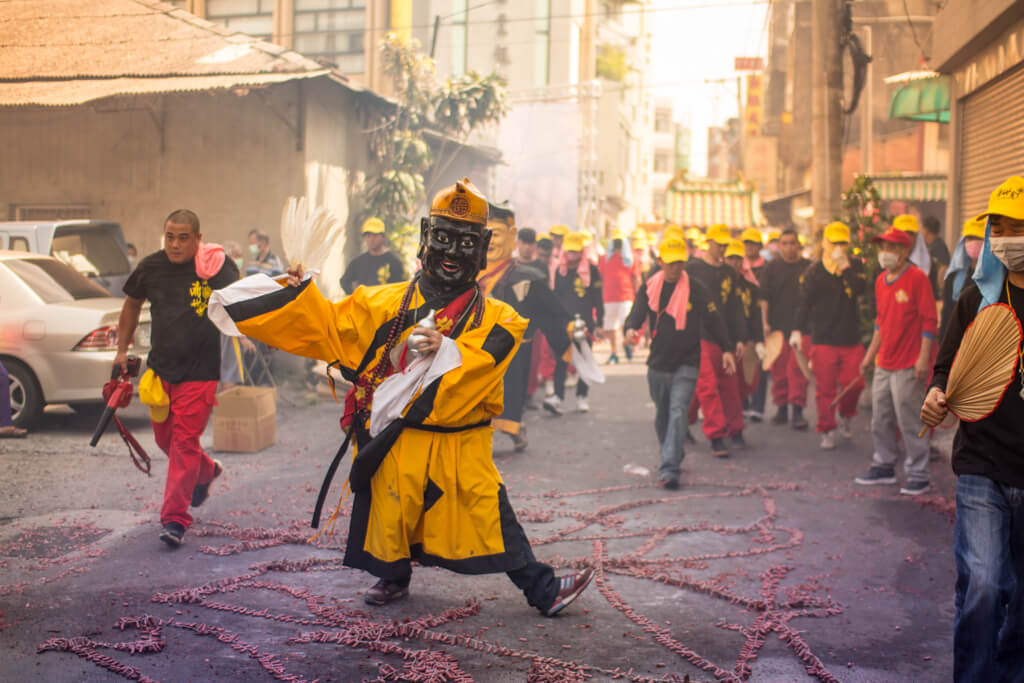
[58,335]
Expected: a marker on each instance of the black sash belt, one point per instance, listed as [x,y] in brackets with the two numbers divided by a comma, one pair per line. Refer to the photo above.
[372,455]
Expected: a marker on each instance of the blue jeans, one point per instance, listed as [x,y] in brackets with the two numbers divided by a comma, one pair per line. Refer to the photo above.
[988,542]
[671,392]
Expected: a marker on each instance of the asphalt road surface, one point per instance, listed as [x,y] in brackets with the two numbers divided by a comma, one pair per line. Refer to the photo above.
[769,565]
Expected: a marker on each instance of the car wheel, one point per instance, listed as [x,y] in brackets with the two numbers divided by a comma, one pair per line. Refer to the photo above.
[26,396]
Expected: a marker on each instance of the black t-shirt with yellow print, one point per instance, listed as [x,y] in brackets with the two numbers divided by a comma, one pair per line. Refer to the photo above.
[185,344]
[372,270]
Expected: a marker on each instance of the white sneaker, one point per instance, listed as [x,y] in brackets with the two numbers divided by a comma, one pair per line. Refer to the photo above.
[553,404]
[845,429]
[828,440]
[582,405]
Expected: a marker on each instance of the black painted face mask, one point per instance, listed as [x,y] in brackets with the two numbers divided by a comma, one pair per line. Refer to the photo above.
[452,252]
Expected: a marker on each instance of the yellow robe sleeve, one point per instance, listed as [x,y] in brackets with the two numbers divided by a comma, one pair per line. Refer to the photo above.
[474,390]
[310,325]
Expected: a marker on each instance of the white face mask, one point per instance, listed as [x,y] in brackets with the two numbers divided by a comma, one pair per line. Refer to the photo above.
[254,249]
[888,260]
[838,253]
[1009,250]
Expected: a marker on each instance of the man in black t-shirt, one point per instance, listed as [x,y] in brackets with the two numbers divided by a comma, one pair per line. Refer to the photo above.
[780,294]
[577,285]
[988,536]
[184,359]
[378,265]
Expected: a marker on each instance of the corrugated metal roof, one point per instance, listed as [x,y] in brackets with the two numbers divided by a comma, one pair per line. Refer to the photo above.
[68,93]
[62,52]
[701,203]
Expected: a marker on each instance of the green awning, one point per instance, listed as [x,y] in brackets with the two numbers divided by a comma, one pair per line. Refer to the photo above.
[911,188]
[922,100]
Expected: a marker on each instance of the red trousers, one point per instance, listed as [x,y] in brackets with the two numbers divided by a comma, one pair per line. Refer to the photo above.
[789,386]
[542,363]
[835,367]
[718,395]
[178,437]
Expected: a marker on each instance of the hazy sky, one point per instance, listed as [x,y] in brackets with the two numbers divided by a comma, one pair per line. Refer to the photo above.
[694,40]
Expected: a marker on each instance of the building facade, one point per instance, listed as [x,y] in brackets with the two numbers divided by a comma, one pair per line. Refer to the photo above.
[980,45]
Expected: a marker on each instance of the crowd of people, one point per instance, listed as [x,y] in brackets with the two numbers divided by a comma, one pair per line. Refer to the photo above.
[496,313]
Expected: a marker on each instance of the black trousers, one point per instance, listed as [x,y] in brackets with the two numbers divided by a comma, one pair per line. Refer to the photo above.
[561,371]
[535,579]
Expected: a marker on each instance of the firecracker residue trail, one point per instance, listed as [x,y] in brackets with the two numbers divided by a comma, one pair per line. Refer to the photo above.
[431,647]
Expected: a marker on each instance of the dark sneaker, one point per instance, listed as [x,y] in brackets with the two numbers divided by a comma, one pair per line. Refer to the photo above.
[799,422]
[670,483]
[755,417]
[202,491]
[738,441]
[915,488]
[553,405]
[569,588]
[173,534]
[718,448]
[781,417]
[877,475]
[384,592]
[519,442]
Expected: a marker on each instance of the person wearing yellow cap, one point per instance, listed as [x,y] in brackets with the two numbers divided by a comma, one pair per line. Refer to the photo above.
[525,289]
[772,243]
[695,242]
[618,286]
[718,393]
[642,262]
[754,262]
[679,312]
[829,310]
[184,359]
[752,335]
[577,284]
[426,359]
[558,233]
[780,292]
[378,265]
[961,266]
[988,534]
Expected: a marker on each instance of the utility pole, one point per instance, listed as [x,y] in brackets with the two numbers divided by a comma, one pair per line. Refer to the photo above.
[826,111]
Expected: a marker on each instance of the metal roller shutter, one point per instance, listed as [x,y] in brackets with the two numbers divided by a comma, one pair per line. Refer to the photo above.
[992,141]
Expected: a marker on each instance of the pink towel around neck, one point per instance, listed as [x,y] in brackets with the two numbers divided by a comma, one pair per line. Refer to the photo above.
[209,259]
[679,301]
[583,269]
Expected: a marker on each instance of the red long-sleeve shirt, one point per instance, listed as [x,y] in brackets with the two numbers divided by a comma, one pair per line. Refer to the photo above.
[906,313]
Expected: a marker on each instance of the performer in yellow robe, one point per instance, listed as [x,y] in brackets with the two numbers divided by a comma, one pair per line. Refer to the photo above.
[425,486]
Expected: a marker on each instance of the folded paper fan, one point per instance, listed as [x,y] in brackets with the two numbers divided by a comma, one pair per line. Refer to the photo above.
[984,364]
[749,364]
[773,345]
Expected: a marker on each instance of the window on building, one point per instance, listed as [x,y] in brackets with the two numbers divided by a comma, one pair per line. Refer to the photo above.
[662,162]
[542,43]
[255,17]
[18,244]
[331,29]
[459,19]
[662,122]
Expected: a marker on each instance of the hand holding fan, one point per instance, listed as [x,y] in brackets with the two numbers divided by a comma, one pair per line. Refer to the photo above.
[984,364]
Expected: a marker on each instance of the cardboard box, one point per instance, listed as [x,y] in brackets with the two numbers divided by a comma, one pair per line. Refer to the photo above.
[245,419]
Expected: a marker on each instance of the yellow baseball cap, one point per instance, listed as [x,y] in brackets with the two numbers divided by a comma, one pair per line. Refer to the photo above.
[672,251]
[803,240]
[672,232]
[774,234]
[618,235]
[461,202]
[1006,200]
[752,235]
[720,233]
[906,223]
[373,225]
[694,234]
[559,230]
[573,242]
[837,232]
[974,228]
[735,248]
[639,238]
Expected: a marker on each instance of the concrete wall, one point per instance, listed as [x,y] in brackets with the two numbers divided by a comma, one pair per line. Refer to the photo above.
[231,159]
[965,26]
